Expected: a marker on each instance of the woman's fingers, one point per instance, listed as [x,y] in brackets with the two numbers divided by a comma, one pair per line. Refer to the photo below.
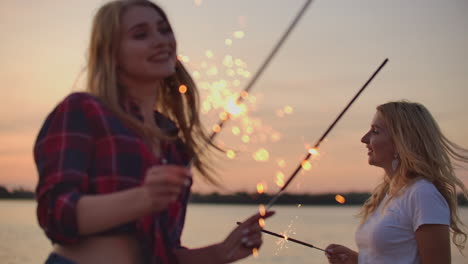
[163,185]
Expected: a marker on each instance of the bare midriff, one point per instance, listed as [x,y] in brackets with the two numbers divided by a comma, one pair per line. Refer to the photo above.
[116,249]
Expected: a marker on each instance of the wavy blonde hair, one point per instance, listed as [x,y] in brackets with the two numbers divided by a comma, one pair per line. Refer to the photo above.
[424,152]
[102,82]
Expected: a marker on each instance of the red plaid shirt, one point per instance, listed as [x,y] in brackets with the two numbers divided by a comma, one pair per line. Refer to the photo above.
[83,148]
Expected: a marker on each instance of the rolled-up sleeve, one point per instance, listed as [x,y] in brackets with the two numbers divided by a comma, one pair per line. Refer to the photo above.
[62,152]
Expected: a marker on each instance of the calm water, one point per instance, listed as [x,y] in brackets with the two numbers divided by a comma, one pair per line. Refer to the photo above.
[22,242]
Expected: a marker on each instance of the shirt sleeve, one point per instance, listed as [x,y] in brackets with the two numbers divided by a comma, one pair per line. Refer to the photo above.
[61,153]
[428,206]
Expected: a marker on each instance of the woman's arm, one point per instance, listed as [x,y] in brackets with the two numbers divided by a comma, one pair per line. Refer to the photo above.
[433,244]
[163,184]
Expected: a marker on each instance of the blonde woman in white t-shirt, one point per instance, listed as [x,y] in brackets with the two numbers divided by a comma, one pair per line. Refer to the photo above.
[412,212]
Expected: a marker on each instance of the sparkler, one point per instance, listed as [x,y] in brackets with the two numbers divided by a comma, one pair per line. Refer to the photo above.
[289,239]
[262,68]
[317,144]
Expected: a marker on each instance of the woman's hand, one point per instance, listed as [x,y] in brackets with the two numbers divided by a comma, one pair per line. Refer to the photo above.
[338,254]
[243,239]
[163,185]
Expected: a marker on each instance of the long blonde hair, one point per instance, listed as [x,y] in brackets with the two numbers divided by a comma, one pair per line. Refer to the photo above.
[424,152]
[102,82]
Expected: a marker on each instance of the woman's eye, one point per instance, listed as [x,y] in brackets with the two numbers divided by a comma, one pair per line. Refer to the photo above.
[165,30]
[140,35]
[374,131]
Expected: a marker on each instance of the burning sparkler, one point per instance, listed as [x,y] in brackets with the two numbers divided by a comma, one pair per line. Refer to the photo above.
[304,163]
[286,238]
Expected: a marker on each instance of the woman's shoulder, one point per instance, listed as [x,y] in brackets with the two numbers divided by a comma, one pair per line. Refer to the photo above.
[82,103]
[421,185]
[423,189]
[79,98]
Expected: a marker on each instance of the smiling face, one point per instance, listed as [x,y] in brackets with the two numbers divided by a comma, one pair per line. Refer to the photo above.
[147,48]
[379,144]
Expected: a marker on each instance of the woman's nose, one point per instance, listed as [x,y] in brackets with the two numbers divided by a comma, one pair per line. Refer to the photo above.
[365,138]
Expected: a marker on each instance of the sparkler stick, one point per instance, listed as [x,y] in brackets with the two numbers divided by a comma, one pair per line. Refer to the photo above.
[317,144]
[289,238]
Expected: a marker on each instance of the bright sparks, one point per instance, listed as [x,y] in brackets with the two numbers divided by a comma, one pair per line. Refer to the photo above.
[314,152]
[279,179]
[261,222]
[261,155]
[235,109]
[288,109]
[262,210]
[260,188]
[182,89]
[223,116]
[231,154]
[216,128]
[255,252]
[281,163]
[239,34]
[340,199]
[306,165]
[236,131]
[209,54]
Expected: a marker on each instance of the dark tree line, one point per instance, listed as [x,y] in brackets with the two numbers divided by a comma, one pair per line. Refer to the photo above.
[353,198]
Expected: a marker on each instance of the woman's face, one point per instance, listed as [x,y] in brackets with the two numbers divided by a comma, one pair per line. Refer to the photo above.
[147,50]
[380,146]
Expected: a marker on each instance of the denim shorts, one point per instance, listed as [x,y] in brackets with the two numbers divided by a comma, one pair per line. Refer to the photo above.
[57,259]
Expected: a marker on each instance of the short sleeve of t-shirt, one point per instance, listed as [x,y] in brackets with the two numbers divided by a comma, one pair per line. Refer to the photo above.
[428,205]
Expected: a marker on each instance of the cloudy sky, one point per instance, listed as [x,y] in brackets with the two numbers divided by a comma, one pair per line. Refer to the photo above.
[332,52]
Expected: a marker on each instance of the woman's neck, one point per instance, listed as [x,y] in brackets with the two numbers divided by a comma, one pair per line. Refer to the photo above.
[142,93]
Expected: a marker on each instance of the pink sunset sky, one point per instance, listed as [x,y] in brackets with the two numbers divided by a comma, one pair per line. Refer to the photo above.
[332,52]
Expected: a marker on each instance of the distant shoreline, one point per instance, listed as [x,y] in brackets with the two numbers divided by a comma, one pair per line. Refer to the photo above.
[244,198]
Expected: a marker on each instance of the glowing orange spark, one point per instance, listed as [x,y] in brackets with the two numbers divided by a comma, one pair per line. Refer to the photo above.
[340,199]
[255,252]
[209,54]
[244,94]
[183,89]
[275,137]
[279,179]
[313,151]
[261,155]
[306,165]
[262,210]
[231,154]
[236,131]
[223,116]
[261,222]
[216,128]
[288,109]
[281,163]
[260,188]
[239,34]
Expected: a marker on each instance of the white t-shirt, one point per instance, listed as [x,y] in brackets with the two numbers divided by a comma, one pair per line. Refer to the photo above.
[388,236]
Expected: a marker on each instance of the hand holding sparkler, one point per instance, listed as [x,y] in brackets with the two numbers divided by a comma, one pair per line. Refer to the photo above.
[339,254]
[245,239]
